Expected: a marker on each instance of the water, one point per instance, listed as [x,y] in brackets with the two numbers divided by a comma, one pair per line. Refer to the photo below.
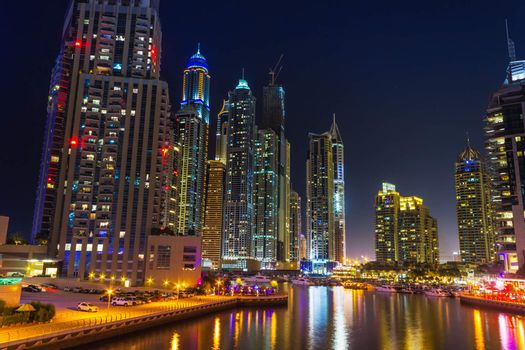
[336,318]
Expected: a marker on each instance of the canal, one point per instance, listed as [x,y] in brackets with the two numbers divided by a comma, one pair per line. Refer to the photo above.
[336,318]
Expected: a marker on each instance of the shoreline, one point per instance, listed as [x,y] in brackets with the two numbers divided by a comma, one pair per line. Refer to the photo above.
[82,333]
[503,306]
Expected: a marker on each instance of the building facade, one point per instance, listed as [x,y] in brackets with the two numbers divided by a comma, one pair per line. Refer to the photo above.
[213,214]
[221,136]
[238,204]
[474,208]
[406,233]
[505,147]
[191,127]
[339,194]
[295,226]
[320,197]
[266,198]
[105,166]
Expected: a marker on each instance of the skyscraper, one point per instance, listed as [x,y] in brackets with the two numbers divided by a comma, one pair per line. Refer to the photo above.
[320,197]
[474,208]
[266,198]
[339,194]
[105,169]
[295,225]
[406,233]
[238,205]
[505,146]
[213,215]
[192,123]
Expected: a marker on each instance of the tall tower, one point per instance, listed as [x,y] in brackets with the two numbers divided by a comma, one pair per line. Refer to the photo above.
[339,194]
[505,146]
[266,198]
[192,123]
[295,225]
[273,118]
[105,172]
[213,214]
[474,208]
[387,224]
[320,197]
[238,205]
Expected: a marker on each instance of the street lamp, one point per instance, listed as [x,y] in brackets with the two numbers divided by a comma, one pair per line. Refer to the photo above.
[110,291]
[149,282]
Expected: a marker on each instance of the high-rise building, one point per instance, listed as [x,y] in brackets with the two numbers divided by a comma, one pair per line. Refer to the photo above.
[105,165]
[339,194]
[221,136]
[213,215]
[295,225]
[191,125]
[266,198]
[238,205]
[406,233]
[505,146]
[386,224]
[320,197]
[273,118]
[474,208]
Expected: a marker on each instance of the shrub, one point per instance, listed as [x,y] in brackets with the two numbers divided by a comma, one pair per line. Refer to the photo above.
[2,306]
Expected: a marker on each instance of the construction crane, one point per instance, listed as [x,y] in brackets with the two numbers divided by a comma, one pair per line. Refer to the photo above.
[274,72]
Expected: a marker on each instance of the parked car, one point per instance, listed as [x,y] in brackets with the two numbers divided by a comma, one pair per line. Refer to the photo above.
[31,289]
[118,301]
[76,290]
[67,289]
[83,306]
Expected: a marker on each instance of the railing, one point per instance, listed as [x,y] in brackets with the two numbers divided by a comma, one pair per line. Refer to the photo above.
[53,331]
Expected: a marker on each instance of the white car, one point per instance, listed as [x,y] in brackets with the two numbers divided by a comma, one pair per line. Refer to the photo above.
[83,306]
[121,302]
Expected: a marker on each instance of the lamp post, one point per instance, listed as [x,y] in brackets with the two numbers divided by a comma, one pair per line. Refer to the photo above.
[110,291]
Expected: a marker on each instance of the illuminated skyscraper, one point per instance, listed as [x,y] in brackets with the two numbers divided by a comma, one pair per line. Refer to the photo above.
[339,194]
[474,208]
[320,197]
[505,146]
[238,205]
[213,215]
[295,226]
[406,233]
[106,172]
[192,137]
[266,198]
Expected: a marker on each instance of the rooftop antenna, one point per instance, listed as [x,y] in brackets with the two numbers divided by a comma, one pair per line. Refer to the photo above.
[198,48]
[510,43]
[274,72]
[468,140]
[242,74]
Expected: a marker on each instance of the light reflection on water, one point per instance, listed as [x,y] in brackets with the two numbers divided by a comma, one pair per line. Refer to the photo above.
[335,318]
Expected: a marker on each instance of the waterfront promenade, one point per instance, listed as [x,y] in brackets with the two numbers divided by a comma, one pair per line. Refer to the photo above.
[72,328]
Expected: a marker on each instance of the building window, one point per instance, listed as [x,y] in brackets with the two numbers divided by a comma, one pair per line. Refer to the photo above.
[190,249]
[163,256]
[188,258]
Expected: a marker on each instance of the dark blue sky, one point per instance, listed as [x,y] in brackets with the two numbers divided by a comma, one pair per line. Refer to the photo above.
[406,80]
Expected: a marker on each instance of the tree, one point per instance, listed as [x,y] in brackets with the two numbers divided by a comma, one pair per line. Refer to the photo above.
[17,239]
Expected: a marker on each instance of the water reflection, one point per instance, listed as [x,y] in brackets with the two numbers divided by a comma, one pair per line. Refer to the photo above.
[335,318]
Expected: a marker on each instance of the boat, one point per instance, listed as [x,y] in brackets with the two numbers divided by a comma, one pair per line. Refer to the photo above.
[258,278]
[407,290]
[302,281]
[435,292]
[386,289]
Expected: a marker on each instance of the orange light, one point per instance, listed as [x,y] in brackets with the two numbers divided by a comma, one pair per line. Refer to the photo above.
[73,142]
[78,43]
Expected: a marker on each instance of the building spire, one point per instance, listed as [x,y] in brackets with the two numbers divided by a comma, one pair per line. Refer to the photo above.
[334,131]
[468,140]
[510,43]
[198,48]
[242,75]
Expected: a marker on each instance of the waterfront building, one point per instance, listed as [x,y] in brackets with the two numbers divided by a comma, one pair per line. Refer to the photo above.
[238,204]
[474,208]
[266,198]
[505,146]
[4,224]
[295,226]
[174,262]
[213,214]
[320,197]
[406,233]
[105,169]
[273,118]
[339,194]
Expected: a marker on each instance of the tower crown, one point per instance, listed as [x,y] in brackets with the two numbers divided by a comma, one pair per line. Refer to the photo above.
[197,60]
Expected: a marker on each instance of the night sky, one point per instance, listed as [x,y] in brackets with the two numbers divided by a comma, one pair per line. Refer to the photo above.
[406,81]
